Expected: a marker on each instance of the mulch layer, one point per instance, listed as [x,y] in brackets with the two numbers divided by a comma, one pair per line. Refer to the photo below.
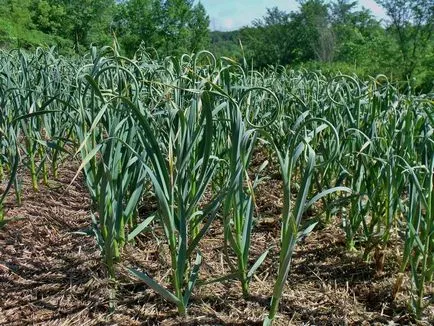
[52,274]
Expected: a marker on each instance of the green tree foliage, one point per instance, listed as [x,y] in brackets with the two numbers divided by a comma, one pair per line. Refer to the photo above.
[412,24]
[15,19]
[134,23]
[17,11]
[171,27]
[26,24]
[62,22]
[360,39]
[86,21]
[311,35]
[282,38]
[324,34]
[338,35]
[267,41]
[48,17]
[174,25]
[198,24]
[226,44]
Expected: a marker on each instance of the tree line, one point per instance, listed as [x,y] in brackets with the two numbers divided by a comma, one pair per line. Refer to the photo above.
[337,35]
[170,27]
[334,35]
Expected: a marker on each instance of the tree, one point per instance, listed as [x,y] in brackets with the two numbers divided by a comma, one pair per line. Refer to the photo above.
[199,23]
[171,27]
[311,34]
[266,42]
[86,21]
[412,23]
[342,11]
[48,17]
[135,22]
[359,37]
[226,44]
[17,11]
[178,29]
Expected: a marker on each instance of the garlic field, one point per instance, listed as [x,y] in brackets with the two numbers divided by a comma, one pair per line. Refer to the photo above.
[197,190]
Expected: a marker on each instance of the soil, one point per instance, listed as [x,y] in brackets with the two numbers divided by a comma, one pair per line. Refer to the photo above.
[52,274]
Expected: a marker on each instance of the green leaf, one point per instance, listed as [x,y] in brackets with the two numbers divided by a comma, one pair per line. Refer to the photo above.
[257,263]
[140,227]
[325,193]
[85,161]
[193,278]
[166,294]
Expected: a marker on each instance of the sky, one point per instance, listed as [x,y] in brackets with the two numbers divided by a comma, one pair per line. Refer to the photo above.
[226,15]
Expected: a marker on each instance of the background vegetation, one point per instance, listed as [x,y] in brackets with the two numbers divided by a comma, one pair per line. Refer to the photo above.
[327,35]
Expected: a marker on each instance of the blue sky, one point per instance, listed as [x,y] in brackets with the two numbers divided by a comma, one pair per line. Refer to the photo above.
[232,14]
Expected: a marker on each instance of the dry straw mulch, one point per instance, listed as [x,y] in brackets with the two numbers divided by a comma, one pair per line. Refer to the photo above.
[52,275]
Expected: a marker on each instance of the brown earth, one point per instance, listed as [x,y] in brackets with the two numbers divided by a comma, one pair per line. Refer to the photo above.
[52,275]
